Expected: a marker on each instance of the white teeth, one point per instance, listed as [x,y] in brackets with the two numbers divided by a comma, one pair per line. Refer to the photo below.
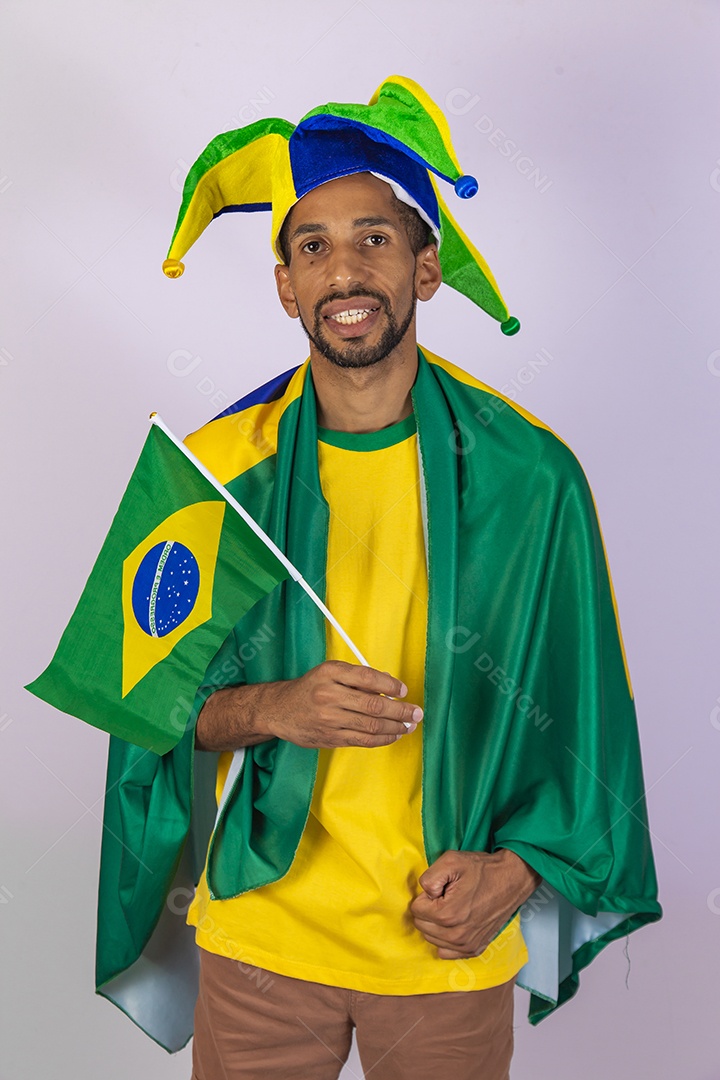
[352,315]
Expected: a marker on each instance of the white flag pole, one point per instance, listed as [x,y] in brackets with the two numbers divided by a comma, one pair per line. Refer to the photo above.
[292,570]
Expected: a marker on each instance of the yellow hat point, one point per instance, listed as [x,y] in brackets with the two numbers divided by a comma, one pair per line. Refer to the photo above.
[173,268]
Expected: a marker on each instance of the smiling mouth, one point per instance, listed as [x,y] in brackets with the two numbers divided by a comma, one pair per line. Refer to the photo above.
[352,315]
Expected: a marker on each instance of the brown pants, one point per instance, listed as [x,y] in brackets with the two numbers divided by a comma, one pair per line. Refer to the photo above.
[252,1024]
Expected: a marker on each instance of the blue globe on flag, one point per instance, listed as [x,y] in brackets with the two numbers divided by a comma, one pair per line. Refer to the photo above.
[165,588]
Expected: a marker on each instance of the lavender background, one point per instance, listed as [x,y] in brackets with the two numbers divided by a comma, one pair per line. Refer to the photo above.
[600,222]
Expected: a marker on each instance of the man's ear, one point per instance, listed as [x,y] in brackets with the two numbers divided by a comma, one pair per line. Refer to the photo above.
[285,290]
[428,275]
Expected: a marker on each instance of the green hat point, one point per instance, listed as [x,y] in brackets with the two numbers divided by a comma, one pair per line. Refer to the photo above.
[510,326]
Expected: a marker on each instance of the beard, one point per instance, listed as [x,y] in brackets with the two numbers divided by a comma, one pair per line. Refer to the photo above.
[355,354]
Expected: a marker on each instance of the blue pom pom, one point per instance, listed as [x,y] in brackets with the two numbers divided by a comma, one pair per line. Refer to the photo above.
[466,186]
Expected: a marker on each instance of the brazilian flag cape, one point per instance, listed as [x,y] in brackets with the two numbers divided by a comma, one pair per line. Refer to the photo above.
[530,738]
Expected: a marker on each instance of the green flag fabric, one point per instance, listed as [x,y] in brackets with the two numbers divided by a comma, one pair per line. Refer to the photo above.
[178,568]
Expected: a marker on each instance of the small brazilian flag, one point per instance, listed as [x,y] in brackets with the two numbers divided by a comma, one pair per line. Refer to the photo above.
[182,563]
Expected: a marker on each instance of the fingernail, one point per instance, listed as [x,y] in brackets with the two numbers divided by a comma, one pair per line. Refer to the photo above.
[403,690]
[417,715]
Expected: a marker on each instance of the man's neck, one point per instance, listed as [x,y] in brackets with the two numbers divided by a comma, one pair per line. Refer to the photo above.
[365,399]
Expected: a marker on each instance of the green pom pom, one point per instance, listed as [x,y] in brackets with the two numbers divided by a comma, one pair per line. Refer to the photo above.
[510,326]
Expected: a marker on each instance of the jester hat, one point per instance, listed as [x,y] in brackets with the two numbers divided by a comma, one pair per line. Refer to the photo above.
[401,136]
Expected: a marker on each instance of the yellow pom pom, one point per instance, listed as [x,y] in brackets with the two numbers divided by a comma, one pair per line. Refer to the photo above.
[172,268]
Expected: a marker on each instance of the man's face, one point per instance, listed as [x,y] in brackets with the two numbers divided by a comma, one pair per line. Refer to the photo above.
[352,274]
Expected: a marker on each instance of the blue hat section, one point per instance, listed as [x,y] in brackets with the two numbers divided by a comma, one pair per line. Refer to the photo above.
[319,154]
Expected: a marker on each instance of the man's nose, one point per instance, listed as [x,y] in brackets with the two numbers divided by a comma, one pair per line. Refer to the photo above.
[346,267]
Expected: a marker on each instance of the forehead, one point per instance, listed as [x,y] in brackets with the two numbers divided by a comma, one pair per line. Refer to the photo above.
[357,195]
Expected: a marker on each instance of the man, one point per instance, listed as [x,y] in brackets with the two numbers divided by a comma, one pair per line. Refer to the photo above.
[379,828]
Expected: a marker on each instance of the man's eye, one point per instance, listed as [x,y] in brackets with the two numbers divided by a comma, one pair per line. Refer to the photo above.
[312,247]
[376,240]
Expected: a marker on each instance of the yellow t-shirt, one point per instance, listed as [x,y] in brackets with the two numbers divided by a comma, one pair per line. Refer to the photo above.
[340,915]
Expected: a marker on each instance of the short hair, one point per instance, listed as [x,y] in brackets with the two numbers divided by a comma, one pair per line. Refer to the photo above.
[417,229]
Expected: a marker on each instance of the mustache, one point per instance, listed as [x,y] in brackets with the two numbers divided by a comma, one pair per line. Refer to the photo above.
[373,293]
